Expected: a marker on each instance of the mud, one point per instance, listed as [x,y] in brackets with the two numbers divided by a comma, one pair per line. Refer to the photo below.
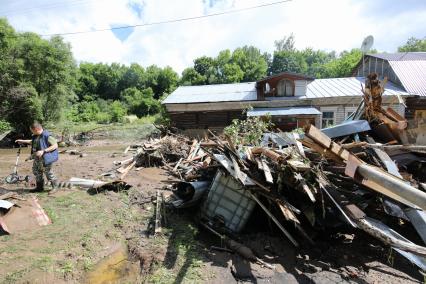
[329,262]
[113,268]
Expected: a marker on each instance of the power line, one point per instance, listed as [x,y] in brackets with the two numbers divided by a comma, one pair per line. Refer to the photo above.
[169,21]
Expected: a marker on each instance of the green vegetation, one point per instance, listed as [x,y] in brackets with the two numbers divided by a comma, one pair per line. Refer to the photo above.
[40,80]
[185,262]
[249,131]
[414,44]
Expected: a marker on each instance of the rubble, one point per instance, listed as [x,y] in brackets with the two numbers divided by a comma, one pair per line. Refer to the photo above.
[358,175]
[304,183]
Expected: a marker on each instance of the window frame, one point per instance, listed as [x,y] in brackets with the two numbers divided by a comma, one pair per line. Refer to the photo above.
[285,86]
[333,120]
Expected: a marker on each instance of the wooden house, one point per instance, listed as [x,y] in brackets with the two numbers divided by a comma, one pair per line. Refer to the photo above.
[292,101]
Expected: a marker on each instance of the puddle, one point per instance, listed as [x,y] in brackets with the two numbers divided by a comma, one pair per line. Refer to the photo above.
[114,268]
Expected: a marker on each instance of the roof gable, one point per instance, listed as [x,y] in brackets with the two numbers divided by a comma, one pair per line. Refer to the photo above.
[288,75]
[400,56]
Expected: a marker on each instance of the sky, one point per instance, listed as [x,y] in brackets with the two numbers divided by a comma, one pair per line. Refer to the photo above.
[321,24]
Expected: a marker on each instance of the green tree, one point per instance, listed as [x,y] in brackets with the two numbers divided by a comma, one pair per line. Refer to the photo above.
[344,65]
[191,77]
[251,62]
[41,73]
[23,107]
[133,76]
[287,43]
[288,61]
[161,81]
[413,44]
[316,61]
[204,65]
[141,103]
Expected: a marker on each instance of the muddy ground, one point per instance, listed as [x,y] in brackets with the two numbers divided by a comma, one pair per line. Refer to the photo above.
[105,238]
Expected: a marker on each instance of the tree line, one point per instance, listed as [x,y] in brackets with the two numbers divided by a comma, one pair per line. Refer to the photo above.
[40,79]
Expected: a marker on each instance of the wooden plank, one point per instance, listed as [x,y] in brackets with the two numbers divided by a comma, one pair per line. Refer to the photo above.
[177,164]
[127,170]
[157,224]
[259,163]
[305,187]
[267,172]
[127,149]
[299,144]
[286,233]
[319,137]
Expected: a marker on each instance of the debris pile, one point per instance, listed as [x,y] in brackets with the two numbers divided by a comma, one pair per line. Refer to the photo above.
[361,174]
[306,183]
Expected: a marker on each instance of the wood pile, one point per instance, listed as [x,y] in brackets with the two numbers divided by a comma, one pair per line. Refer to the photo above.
[367,179]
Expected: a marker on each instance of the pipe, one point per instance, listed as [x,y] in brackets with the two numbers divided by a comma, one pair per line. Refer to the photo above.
[394,185]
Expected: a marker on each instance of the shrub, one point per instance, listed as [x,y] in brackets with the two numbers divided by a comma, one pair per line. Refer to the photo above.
[249,131]
[117,111]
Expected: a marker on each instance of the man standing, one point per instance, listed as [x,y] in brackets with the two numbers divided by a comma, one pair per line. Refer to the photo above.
[44,151]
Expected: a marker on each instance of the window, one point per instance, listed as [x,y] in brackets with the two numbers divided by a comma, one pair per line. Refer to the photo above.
[285,88]
[327,119]
[349,113]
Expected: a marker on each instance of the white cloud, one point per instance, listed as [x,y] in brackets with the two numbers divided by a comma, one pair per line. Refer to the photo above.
[327,24]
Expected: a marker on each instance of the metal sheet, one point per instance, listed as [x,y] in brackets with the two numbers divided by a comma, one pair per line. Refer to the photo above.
[228,165]
[6,204]
[347,128]
[284,111]
[319,88]
[213,93]
[417,260]
[412,75]
[418,219]
[346,87]
[400,56]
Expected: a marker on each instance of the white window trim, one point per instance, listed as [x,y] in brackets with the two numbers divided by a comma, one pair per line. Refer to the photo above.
[328,109]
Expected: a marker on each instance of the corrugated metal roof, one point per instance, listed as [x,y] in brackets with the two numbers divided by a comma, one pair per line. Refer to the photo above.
[400,56]
[319,88]
[283,111]
[412,75]
[345,87]
[213,93]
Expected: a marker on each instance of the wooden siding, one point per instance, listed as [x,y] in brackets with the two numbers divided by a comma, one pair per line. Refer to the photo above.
[204,120]
[300,87]
[379,66]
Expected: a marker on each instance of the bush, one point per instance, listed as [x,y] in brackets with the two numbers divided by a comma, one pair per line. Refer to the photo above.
[103,118]
[4,126]
[117,111]
[23,107]
[249,131]
[141,103]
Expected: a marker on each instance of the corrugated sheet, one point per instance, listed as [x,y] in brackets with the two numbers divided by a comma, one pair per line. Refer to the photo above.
[213,93]
[283,111]
[344,87]
[319,88]
[400,56]
[412,75]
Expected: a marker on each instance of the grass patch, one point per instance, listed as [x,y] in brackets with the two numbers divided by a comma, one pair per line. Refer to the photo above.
[74,127]
[66,268]
[184,262]
[14,276]
[44,263]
